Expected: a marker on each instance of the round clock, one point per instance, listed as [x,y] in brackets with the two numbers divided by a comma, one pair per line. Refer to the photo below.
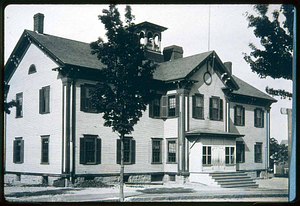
[207,78]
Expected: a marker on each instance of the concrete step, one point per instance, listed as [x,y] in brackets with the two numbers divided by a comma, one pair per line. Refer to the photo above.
[227,174]
[230,177]
[234,180]
[144,183]
[242,185]
[236,183]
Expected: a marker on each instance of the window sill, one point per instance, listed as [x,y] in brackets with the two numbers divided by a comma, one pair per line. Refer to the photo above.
[18,117]
[240,162]
[258,162]
[258,126]
[242,125]
[171,162]
[230,164]
[45,163]
[220,120]
[44,112]
[156,163]
[200,118]
[207,165]
[18,162]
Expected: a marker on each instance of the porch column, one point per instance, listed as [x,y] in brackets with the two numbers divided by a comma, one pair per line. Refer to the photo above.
[268,138]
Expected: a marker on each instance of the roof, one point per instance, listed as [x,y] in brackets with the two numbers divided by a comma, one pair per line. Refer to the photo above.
[202,132]
[150,25]
[68,51]
[248,90]
[179,68]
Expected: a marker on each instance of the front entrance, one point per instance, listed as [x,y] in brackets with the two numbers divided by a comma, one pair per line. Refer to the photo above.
[218,158]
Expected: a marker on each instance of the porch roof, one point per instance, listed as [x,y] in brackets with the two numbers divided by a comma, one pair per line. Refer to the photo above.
[212,133]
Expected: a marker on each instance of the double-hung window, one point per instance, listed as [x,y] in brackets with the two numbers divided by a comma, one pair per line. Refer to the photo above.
[85,102]
[258,152]
[258,117]
[239,115]
[156,150]
[129,150]
[240,152]
[206,155]
[171,145]
[154,107]
[45,150]
[229,155]
[45,100]
[164,106]
[90,149]
[198,106]
[19,107]
[215,108]
[18,156]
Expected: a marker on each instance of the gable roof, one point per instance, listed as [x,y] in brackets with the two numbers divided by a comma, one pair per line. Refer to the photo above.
[179,68]
[68,51]
[248,90]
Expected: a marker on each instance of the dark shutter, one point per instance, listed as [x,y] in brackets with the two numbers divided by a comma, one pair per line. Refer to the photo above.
[151,109]
[47,99]
[243,152]
[98,154]
[177,105]
[235,113]
[255,120]
[132,151]
[82,98]
[210,108]
[164,106]
[118,151]
[194,106]
[41,101]
[15,151]
[82,151]
[243,116]
[221,109]
[22,152]
[202,112]
[262,118]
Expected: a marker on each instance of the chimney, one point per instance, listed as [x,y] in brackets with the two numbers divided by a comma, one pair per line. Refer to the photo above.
[38,25]
[172,52]
[228,66]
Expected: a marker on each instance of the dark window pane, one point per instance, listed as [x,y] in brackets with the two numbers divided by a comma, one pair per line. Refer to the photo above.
[156,151]
[172,151]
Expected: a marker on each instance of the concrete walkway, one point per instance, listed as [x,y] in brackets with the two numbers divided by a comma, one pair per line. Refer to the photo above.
[270,190]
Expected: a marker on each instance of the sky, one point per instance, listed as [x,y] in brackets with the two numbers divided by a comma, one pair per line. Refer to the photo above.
[189,26]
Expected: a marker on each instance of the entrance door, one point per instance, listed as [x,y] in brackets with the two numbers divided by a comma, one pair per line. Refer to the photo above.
[218,158]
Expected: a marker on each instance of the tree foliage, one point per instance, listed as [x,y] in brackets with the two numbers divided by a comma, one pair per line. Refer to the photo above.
[8,105]
[278,152]
[128,74]
[275,59]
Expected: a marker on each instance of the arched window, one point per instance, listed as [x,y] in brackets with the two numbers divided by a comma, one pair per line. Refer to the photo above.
[142,38]
[156,41]
[32,69]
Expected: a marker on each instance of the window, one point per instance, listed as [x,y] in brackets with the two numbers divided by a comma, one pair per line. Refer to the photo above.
[129,151]
[240,152]
[32,69]
[156,150]
[85,103]
[154,107]
[164,106]
[258,152]
[239,115]
[258,117]
[229,155]
[215,108]
[19,107]
[171,151]
[90,150]
[45,100]
[206,155]
[198,106]
[18,150]
[45,150]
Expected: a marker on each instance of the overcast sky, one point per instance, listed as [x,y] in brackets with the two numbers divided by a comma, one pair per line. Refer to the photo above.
[187,25]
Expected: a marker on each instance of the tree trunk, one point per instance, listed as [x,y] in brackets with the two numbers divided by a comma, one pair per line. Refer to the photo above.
[122,170]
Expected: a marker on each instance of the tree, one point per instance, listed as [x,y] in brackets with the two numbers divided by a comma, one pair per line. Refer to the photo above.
[126,91]
[275,59]
[278,152]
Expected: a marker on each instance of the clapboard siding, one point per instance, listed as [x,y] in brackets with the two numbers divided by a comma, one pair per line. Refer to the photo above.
[32,125]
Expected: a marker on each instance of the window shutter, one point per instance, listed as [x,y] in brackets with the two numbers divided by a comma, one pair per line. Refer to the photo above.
[118,151]
[243,109]
[98,154]
[202,112]
[210,108]
[151,110]
[221,109]
[243,152]
[132,151]
[194,106]
[47,99]
[235,113]
[255,120]
[41,101]
[177,106]
[82,98]
[22,152]
[262,118]
[164,106]
[82,151]
[15,151]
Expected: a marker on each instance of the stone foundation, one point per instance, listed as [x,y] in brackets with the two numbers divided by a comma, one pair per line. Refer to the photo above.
[16,179]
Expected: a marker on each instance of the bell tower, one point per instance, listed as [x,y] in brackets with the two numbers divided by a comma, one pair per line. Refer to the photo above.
[150,36]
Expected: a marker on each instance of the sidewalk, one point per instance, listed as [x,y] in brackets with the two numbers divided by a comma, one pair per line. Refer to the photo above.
[271,190]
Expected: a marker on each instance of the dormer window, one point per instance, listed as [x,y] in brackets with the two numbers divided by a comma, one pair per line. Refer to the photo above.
[32,69]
